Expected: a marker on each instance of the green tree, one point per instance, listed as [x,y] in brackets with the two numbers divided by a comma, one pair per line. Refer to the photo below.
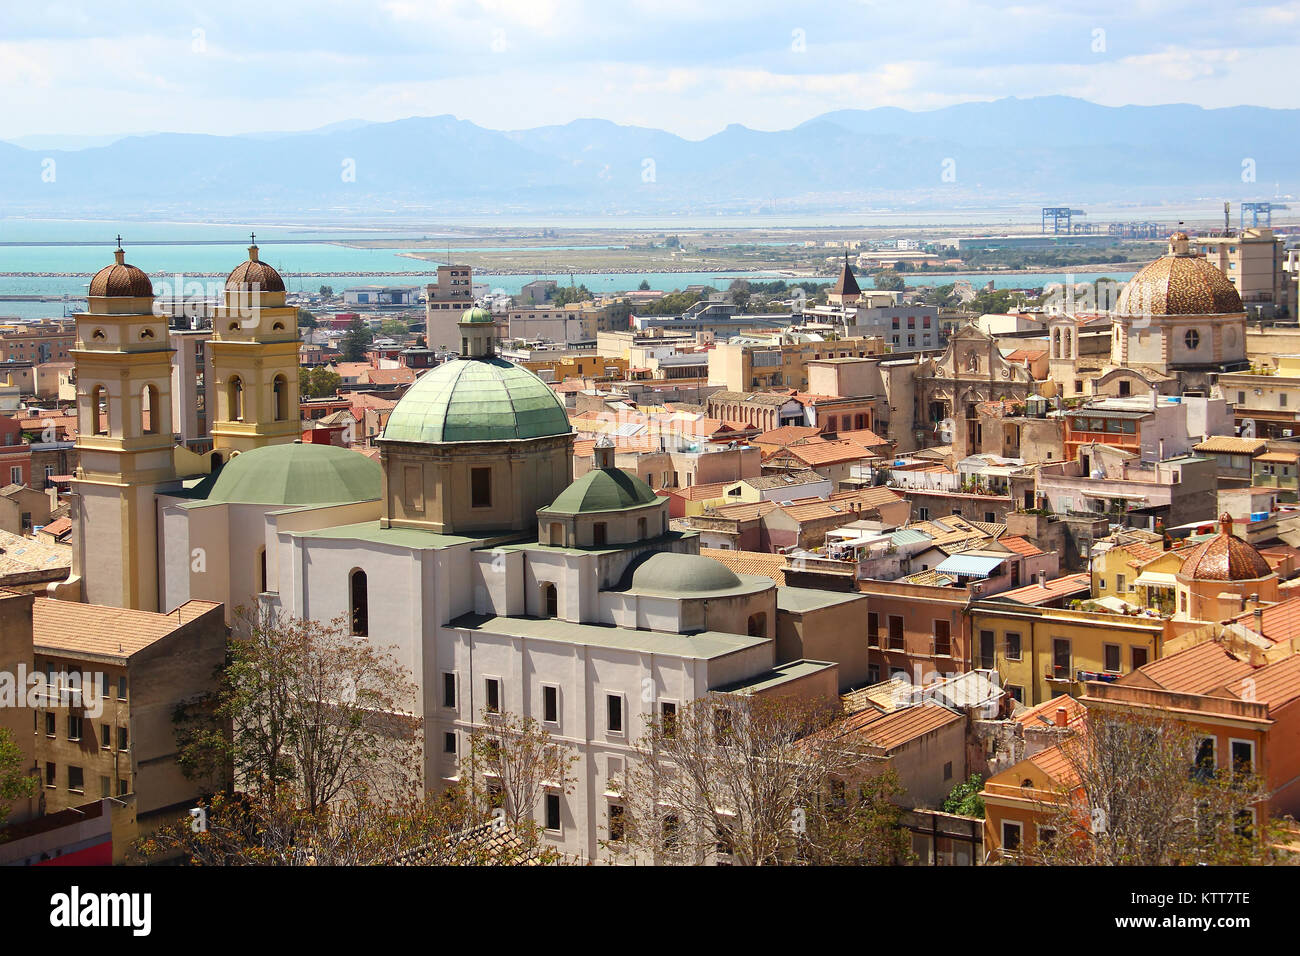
[307,320]
[318,382]
[16,782]
[888,280]
[356,340]
[327,290]
[964,799]
[567,294]
[394,328]
[644,286]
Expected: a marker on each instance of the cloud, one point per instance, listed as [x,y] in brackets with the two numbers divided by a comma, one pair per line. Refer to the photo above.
[686,66]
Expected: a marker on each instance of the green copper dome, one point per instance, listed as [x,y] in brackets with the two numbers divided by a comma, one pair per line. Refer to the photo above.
[603,490]
[476,316]
[297,474]
[668,572]
[482,399]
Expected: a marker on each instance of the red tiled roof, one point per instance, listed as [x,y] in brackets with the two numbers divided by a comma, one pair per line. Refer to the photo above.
[750,562]
[824,452]
[1273,684]
[892,730]
[785,435]
[74,628]
[1280,622]
[1036,593]
[1196,670]
[1021,546]
[1074,712]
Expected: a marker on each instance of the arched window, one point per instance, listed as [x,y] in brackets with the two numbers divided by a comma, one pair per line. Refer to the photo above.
[150,412]
[557,534]
[550,600]
[640,529]
[360,602]
[280,398]
[758,625]
[235,398]
[99,410]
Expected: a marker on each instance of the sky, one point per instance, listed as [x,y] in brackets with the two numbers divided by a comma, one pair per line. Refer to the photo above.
[89,68]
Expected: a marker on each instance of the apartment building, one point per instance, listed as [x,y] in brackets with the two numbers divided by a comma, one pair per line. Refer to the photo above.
[1254,261]
[445,300]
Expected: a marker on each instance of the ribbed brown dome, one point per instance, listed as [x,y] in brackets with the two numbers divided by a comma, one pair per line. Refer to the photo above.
[1225,557]
[254,272]
[1179,284]
[121,279]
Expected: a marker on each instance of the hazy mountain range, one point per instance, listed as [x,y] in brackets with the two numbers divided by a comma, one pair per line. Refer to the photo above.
[1053,149]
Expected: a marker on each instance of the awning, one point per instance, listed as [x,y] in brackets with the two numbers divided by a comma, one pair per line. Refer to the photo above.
[1155,579]
[969,565]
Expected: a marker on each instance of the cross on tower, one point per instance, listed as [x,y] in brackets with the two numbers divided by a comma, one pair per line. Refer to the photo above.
[252,238]
[119,240]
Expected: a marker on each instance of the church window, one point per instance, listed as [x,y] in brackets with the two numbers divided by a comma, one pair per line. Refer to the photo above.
[550,600]
[640,529]
[150,410]
[480,487]
[261,558]
[99,410]
[598,534]
[280,397]
[360,602]
[1192,338]
[235,397]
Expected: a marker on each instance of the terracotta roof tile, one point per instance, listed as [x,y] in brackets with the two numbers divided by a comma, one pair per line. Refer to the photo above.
[1196,670]
[72,628]
[750,562]
[892,730]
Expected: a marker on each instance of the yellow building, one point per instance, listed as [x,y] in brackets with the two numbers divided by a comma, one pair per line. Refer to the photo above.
[1040,653]
[578,366]
[1116,563]
[254,361]
[777,363]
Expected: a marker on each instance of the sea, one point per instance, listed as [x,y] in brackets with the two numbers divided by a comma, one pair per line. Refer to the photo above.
[55,258]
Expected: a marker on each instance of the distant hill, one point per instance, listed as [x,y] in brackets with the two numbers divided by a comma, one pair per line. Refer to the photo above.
[1053,149]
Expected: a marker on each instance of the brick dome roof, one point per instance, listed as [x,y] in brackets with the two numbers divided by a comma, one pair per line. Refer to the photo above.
[255,272]
[1179,284]
[121,279]
[1225,557]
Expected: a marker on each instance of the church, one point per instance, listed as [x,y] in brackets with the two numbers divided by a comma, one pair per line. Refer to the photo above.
[467,550]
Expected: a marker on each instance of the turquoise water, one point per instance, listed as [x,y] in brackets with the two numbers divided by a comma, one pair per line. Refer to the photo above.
[194,249]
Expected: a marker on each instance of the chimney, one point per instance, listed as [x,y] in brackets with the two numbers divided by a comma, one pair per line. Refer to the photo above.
[1041,576]
[1062,717]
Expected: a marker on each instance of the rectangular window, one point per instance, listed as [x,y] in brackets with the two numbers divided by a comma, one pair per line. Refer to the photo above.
[493,689]
[553,812]
[122,789]
[1112,655]
[1013,646]
[1138,655]
[668,719]
[121,688]
[1060,658]
[1017,692]
[895,632]
[50,774]
[1243,756]
[50,727]
[121,738]
[988,650]
[74,727]
[614,708]
[106,736]
[1010,837]
[550,703]
[923,513]
[480,484]
[616,822]
[942,639]
[1120,583]
[448,689]
[105,786]
[449,743]
[947,770]
[76,779]
[873,629]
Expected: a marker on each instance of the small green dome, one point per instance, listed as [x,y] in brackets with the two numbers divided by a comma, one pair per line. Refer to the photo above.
[609,489]
[476,316]
[667,572]
[483,399]
[297,474]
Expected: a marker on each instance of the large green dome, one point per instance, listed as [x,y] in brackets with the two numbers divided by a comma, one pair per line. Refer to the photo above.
[480,399]
[297,474]
[603,489]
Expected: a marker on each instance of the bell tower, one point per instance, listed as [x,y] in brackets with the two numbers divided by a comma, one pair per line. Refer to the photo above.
[254,401]
[124,436]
